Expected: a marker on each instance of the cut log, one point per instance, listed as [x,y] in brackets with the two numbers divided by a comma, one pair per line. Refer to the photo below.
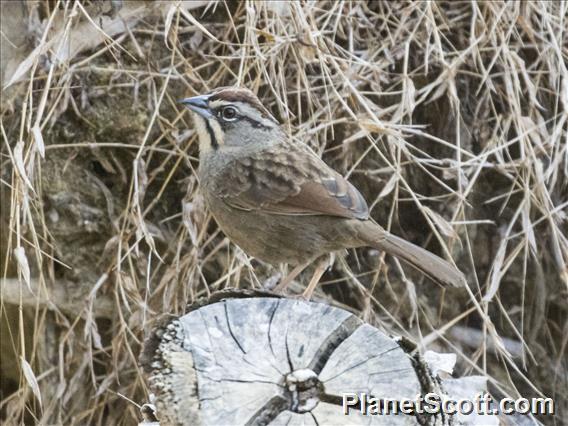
[262,359]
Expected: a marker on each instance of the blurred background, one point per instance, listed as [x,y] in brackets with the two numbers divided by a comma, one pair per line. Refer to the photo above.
[450,117]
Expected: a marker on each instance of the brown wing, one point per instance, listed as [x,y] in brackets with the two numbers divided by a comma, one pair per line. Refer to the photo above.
[292,182]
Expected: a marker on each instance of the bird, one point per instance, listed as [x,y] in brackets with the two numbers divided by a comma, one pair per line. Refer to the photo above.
[278,201]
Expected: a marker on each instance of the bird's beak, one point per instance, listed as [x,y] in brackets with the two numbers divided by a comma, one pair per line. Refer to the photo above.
[198,104]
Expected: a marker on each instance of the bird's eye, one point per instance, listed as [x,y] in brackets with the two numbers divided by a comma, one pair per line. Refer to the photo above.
[229,113]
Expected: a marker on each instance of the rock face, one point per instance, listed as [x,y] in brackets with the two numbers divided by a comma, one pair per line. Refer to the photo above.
[270,360]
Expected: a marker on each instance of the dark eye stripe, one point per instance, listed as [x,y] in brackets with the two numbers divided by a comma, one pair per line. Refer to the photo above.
[230,94]
[226,123]
[254,123]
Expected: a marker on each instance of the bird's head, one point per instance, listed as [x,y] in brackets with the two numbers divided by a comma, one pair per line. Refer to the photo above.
[230,118]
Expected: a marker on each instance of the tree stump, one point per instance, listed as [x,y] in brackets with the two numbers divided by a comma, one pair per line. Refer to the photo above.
[263,359]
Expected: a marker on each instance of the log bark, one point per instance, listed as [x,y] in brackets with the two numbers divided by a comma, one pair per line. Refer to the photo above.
[64,296]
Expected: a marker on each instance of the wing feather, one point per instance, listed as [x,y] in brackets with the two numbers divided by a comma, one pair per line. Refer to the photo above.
[292,182]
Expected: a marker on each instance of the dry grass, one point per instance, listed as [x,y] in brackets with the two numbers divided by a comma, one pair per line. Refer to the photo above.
[451,118]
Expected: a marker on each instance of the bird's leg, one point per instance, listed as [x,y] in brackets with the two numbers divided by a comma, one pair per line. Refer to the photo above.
[320,269]
[290,277]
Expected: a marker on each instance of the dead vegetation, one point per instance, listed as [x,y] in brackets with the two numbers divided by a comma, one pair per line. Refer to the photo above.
[451,117]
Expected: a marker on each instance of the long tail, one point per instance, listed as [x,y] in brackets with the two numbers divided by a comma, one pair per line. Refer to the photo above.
[428,263]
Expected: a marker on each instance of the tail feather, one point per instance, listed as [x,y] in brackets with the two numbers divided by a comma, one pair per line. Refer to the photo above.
[428,263]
